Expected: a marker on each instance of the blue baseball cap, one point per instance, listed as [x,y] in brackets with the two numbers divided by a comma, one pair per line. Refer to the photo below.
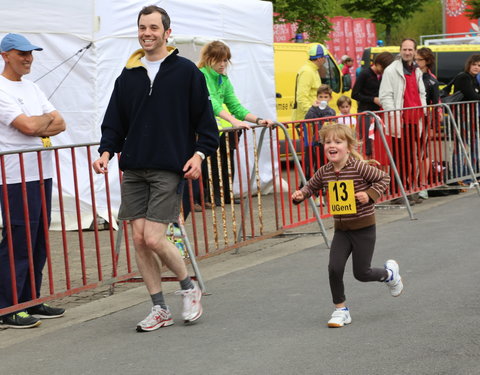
[18,42]
[316,52]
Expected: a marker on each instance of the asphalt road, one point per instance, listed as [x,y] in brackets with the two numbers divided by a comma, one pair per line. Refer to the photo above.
[269,316]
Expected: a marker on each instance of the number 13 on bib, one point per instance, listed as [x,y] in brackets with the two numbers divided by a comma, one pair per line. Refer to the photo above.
[342,197]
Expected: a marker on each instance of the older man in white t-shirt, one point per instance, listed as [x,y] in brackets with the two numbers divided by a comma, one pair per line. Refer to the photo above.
[27,121]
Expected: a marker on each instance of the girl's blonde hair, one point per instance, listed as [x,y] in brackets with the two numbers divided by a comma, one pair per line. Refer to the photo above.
[214,52]
[343,132]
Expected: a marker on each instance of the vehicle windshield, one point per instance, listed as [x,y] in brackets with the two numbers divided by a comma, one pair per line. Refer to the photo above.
[330,75]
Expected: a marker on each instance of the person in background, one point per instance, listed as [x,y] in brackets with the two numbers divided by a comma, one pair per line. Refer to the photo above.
[27,120]
[344,104]
[340,63]
[160,118]
[367,86]
[425,60]
[358,70]
[347,65]
[402,88]
[321,107]
[319,110]
[308,80]
[214,60]
[466,81]
[365,92]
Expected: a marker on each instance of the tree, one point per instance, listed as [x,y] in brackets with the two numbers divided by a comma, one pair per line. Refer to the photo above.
[311,16]
[473,9]
[428,21]
[386,12]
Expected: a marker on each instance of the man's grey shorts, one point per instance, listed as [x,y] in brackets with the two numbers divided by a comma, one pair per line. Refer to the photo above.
[152,194]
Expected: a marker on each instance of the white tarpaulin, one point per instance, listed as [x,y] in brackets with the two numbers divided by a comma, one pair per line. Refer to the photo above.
[81,87]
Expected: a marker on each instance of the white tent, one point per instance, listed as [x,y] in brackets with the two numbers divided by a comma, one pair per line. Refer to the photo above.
[81,87]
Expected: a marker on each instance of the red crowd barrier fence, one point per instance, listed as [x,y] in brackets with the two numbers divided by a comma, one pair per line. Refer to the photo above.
[243,195]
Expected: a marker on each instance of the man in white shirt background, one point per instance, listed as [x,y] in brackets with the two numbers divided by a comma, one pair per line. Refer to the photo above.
[27,121]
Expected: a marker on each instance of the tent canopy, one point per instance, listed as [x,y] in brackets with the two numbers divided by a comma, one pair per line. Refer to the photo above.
[82,81]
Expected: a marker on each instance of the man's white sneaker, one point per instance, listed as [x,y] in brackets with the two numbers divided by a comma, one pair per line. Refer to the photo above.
[157,318]
[394,282]
[340,318]
[192,307]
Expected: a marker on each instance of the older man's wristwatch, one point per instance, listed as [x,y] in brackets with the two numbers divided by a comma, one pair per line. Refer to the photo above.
[201,154]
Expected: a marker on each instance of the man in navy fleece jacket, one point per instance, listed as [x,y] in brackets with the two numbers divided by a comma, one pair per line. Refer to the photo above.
[160,118]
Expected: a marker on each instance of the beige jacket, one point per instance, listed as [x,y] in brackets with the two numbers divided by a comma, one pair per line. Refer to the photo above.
[392,89]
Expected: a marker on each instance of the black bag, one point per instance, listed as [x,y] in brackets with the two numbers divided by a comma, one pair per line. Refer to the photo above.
[447,88]
[445,96]
[454,98]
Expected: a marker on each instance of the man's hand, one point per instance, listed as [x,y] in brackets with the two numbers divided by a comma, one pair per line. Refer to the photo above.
[45,125]
[34,126]
[100,165]
[193,167]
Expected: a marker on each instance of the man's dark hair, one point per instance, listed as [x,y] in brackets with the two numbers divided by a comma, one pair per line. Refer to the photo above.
[411,40]
[152,9]
[471,60]
[383,59]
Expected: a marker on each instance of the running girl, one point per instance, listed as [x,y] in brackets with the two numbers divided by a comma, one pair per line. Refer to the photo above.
[346,174]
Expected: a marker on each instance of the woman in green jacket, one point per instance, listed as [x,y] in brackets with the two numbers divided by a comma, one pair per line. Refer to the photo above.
[214,60]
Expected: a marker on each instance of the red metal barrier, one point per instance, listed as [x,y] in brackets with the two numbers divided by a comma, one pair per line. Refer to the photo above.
[414,137]
[462,138]
[78,260]
[72,265]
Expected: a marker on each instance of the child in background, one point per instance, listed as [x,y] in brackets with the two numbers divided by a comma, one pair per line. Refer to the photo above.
[344,104]
[354,232]
[318,110]
[347,65]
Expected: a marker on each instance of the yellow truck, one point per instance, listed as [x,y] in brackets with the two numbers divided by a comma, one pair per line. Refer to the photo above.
[288,58]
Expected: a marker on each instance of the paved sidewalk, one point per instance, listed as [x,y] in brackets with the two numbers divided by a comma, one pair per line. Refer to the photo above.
[269,305]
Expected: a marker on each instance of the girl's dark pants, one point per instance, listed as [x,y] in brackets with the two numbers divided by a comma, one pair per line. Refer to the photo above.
[361,244]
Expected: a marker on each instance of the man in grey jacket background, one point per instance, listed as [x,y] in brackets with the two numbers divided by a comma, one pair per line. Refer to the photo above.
[402,87]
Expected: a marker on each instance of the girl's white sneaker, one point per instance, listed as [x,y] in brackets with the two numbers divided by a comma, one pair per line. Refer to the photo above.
[394,282]
[340,318]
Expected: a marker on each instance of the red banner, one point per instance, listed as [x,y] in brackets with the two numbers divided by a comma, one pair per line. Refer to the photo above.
[283,33]
[336,44]
[371,33]
[455,19]
[349,36]
[349,40]
[360,32]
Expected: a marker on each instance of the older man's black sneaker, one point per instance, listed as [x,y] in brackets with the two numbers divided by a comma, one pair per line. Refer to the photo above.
[46,312]
[20,320]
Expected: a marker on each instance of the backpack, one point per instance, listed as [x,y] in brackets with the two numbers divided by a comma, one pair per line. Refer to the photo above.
[445,96]
[454,98]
